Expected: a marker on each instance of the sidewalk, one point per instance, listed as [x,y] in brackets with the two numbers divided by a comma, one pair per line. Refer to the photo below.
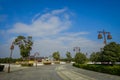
[13,67]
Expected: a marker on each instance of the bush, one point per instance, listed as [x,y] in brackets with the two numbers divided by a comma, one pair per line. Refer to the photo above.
[47,62]
[57,62]
[27,64]
[115,69]
[80,58]
[76,65]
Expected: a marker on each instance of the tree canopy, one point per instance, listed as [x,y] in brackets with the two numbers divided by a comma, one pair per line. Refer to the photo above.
[110,53]
[80,58]
[56,55]
[95,56]
[25,45]
[68,55]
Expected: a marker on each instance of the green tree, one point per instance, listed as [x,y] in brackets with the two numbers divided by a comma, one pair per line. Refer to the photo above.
[95,57]
[25,45]
[56,55]
[68,55]
[111,53]
[80,58]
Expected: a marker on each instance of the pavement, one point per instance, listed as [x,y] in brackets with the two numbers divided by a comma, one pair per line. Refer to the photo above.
[69,72]
[53,72]
[44,72]
[13,67]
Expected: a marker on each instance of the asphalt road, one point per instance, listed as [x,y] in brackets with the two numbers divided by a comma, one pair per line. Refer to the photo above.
[68,72]
[46,72]
[55,72]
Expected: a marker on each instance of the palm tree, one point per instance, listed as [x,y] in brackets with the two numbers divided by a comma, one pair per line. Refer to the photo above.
[25,45]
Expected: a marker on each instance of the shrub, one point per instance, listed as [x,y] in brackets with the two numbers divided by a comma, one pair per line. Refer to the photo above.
[27,64]
[115,69]
[76,65]
[47,62]
[80,58]
[57,62]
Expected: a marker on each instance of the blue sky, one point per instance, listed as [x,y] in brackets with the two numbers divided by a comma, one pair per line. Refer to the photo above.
[58,25]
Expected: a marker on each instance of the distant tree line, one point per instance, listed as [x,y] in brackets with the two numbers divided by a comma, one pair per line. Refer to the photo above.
[78,58]
[12,60]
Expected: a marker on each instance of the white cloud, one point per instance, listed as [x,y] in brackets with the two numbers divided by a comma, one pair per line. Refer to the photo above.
[5,49]
[46,25]
[63,44]
[35,17]
[59,11]
[50,34]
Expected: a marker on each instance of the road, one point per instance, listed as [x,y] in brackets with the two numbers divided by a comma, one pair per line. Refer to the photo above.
[68,72]
[46,72]
[55,72]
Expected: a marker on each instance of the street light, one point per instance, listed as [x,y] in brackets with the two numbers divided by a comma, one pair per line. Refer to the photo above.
[36,54]
[11,48]
[102,34]
[76,49]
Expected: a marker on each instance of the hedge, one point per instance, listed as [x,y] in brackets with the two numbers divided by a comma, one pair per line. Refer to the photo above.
[110,69]
[27,64]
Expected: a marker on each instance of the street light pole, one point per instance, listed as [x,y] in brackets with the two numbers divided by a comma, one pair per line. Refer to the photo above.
[104,36]
[36,54]
[76,49]
[11,48]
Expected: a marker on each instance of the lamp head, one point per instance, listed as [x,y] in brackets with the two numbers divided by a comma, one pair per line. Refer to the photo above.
[100,36]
